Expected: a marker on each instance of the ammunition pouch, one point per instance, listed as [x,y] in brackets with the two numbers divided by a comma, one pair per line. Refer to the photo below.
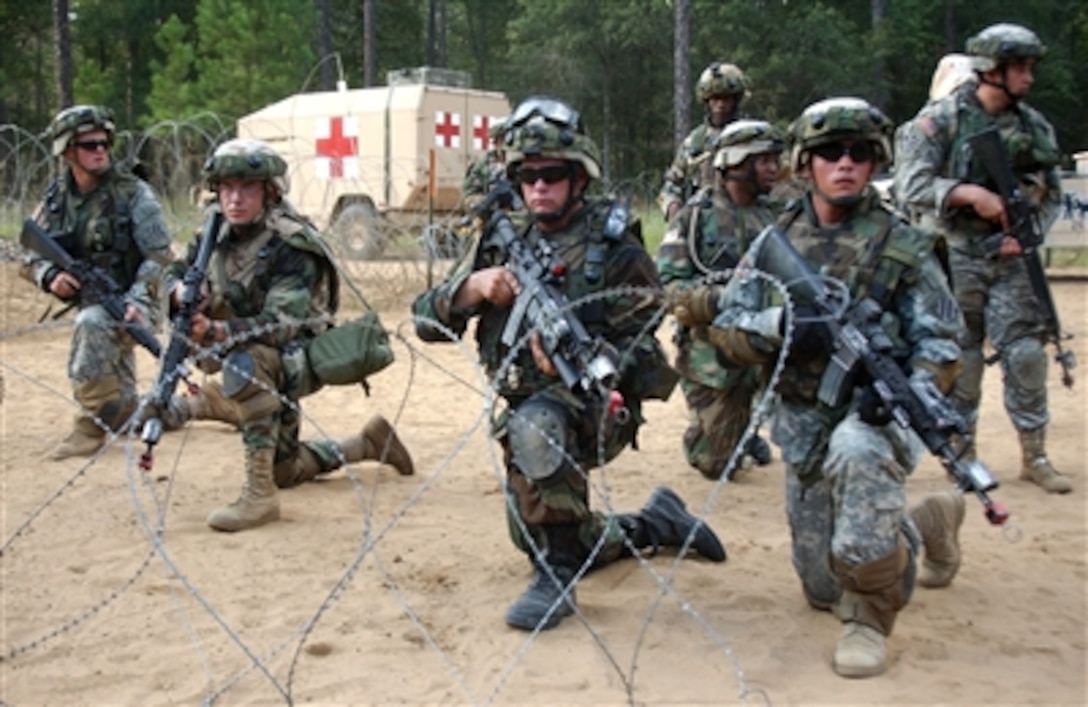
[350,352]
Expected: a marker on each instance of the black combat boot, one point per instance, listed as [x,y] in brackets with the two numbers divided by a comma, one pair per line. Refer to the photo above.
[665,522]
[546,594]
[759,450]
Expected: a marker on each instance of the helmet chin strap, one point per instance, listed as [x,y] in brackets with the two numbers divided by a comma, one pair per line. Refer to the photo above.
[1003,85]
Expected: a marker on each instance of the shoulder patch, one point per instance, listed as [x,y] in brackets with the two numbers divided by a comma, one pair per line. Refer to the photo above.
[928,125]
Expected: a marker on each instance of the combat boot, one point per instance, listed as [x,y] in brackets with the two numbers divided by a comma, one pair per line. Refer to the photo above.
[872,595]
[938,519]
[665,522]
[258,503]
[759,450]
[210,403]
[548,601]
[378,441]
[100,398]
[1036,467]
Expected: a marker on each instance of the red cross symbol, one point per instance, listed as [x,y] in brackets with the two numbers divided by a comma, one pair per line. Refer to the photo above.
[481,124]
[337,145]
[447,129]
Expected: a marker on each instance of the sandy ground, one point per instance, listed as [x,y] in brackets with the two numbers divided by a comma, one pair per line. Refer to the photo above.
[380,589]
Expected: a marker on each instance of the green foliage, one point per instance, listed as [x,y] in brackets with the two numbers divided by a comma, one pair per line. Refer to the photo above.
[171,80]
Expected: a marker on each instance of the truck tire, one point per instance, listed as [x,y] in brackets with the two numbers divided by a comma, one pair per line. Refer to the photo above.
[360,232]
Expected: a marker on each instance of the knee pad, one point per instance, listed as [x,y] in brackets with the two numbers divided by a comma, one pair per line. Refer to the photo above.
[539,439]
[245,382]
[1025,363]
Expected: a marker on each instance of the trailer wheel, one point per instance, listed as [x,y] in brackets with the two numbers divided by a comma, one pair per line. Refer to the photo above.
[360,232]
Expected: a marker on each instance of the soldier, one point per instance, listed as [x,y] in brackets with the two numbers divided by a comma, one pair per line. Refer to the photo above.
[854,543]
[700,247]
[551,434]
[271,289]
[941,189]
[484,170]
[103,214]
[721,88]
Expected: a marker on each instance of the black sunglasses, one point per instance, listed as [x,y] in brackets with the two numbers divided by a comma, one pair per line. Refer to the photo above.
[93,145]
[859,152]
[550,174]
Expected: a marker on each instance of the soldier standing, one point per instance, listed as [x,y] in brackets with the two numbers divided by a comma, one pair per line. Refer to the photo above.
[941,189]
[854,542]
[721,88]
[271,289]
[550,433]
[102,214]
[701,246]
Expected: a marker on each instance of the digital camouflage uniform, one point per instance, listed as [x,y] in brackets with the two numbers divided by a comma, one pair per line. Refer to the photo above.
[853,542]
[702,245]
[119,228]
[995,294]
[551,435]
[692,166]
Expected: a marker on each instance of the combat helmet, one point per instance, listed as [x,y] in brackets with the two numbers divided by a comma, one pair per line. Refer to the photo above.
[75,120]
[721,79]
[834,119]
[743,138]
[547,127]
[1003,43]
[245,158]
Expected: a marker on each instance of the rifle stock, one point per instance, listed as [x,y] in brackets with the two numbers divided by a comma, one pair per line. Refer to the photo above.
[861,348]
[95,285]
[173,368]
[989,150]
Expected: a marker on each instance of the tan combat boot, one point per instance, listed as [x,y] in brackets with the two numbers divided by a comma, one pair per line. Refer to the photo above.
[378,441]
[872,595]
[210,403]
[938,519]
[96,397]
[1036,467]
[257,503]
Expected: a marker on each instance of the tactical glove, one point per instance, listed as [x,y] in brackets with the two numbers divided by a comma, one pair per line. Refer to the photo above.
[872,409]
[694,305]
[811,335]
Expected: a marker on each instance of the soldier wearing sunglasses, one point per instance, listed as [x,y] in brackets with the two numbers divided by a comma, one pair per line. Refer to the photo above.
[552,435]
[101,213]
[855,543]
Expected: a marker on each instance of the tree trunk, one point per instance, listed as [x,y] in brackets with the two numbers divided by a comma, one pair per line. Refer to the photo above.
[681,71]
[370,39]
[63,31]
[324,45]
[880,81]
[950,43]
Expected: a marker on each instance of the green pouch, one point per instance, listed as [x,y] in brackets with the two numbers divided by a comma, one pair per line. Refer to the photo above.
[349,352]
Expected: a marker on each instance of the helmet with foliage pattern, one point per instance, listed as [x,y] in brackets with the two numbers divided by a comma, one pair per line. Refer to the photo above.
[248,159]
[75,120]
[841,118]
[743,138]
[721,79]
[546,127]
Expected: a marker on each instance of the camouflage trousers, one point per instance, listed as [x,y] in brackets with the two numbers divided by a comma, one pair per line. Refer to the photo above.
[998,304]
[272,383]
[563,499]
[717,419]
[856,513]
[100,350]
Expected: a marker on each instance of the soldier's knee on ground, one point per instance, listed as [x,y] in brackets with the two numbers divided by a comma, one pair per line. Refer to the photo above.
[539,439]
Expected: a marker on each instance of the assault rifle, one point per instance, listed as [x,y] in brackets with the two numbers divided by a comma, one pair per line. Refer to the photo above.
[991,155]
[862,350]
[95,284]
[583,361]
[173,368]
